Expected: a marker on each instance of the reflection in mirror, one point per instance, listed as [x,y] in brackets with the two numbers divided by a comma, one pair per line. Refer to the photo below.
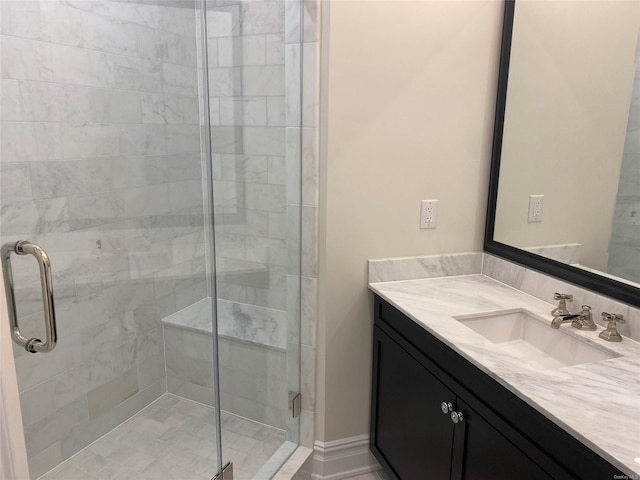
[572,135]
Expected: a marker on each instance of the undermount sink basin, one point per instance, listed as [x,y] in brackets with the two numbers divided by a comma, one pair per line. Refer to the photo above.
[529,338]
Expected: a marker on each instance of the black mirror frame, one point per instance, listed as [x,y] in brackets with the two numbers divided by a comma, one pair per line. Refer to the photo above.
[592,281]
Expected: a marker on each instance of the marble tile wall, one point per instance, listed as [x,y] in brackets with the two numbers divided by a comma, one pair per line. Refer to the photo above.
[309,202]
[255,60]
[624,260]
[100,165]
[253,381]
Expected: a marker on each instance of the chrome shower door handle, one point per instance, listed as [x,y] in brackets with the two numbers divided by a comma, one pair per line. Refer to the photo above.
[31,345]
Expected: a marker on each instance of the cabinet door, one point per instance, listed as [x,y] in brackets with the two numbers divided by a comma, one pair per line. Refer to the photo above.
[481,452]
[410,433]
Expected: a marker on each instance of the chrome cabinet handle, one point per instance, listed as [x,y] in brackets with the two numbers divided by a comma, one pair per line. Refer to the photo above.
[31,345]
[457,417]
[446,407]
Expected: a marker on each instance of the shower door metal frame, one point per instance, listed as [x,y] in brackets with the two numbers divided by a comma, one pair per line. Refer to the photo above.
[210,226]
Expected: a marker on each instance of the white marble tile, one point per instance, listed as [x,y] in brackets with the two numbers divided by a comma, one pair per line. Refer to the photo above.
[78,66]
[309,255]
[277,226]
[243,111]
[271,251]
[182,139]
[268,80]
[10,98]
[97,209]
[292,17]
[15,184]
[179,79]
[45,102]
[244,50]
[293,85]
[142,139]
[74,177]
[275,49]
[244,168]
[276,116]
[277,171]
[30,142]
[116,106]
[293,157]
[310,84]
[246,322]
[25,59]
[410,268]
[183,195]
[181,109]
[35,217]
[263,17]
[258,324]
[226,139]
[145,201]
[223,22]
[225,82]
[309,303]
[82,140]
[132,73]
[160,45]
[270,198]
[264,140]
[109,35]
[311,20]
[310,167]
[43,20]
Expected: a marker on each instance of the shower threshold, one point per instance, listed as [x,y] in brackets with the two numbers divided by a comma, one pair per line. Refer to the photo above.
[174,439]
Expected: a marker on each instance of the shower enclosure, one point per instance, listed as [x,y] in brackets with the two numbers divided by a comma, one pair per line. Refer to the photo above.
[151,149]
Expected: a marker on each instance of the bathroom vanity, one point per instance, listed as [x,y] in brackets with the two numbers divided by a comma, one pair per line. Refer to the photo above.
[451,400]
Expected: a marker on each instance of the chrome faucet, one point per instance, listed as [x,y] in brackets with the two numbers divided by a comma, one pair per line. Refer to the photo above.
[561,314]
[584,320]
[560,319]
[561,309]
[581,321]
[610,334]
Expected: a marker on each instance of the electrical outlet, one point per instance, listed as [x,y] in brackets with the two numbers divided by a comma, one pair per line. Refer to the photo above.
[428,213]
[535,208]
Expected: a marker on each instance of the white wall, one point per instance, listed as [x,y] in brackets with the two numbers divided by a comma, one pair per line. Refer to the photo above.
[407,103]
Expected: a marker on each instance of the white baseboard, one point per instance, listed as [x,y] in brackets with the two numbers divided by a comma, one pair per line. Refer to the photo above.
[342,458]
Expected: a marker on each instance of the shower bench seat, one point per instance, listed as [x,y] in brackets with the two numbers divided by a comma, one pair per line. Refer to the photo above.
[252,357]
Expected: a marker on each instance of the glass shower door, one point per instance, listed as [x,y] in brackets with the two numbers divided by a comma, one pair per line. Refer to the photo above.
[255,109]
[101,166]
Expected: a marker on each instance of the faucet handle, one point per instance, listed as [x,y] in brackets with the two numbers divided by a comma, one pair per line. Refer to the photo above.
[563,296]
[610,333]
[584,320]
[561,309]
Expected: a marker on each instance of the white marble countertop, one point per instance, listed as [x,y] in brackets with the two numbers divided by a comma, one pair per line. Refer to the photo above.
[598,403]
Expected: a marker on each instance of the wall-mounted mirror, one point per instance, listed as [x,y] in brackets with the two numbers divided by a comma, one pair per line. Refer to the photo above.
[565,181]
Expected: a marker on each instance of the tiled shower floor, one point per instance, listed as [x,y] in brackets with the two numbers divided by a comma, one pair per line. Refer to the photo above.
[172,439]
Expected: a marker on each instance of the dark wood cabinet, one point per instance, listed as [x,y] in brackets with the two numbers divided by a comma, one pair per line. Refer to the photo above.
[405,391]
[499,437]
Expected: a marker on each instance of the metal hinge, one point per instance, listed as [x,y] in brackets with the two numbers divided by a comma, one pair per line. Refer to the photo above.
[226,473]
[295,403]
